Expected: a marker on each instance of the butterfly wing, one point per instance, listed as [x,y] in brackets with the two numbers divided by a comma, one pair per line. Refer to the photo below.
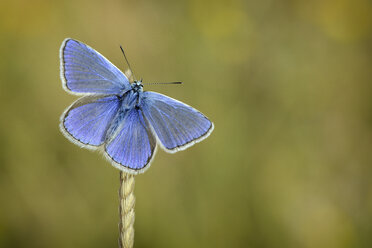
[131,145]
[84,70]
[176,124]
[87,120]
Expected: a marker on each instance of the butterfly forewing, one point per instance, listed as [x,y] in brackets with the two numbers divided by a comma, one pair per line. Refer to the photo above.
[84,70]
[176,124]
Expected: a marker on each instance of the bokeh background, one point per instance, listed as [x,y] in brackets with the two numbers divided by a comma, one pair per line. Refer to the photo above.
[287,84]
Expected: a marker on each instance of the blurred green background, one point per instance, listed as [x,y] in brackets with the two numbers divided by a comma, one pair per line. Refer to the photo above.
[287,84]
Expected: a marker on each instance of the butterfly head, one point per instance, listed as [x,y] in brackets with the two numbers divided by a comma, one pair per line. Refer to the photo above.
[137,85]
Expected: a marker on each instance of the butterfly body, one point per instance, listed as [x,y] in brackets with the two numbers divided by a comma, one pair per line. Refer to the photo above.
[118,117]
[132,98]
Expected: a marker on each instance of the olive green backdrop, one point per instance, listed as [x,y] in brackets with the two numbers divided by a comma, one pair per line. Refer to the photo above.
[286,83]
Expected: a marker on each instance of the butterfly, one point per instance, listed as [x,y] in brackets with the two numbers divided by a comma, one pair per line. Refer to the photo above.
[117,117]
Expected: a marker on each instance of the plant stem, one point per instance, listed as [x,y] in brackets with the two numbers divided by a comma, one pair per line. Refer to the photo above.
[126,210]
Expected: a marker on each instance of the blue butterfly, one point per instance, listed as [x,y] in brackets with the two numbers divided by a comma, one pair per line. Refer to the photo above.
[118,117]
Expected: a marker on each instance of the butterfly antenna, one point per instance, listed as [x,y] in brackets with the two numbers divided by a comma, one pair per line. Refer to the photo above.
[165,83]
[125,57]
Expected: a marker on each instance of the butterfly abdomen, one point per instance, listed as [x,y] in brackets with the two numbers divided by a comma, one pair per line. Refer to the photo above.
[127,102]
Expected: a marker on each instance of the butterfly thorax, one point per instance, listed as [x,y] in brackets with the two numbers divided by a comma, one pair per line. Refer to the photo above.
[131,98]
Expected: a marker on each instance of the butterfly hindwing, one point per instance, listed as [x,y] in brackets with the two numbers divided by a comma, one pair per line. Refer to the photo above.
[176,124]
[131,145]
[87,120]
[84,70]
